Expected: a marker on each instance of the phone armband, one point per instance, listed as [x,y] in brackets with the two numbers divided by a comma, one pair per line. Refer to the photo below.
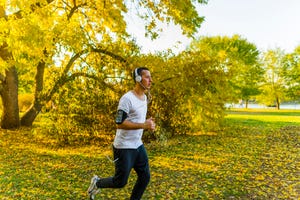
[121,116]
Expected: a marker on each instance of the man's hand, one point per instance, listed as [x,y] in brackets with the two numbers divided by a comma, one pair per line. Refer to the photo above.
[150,124]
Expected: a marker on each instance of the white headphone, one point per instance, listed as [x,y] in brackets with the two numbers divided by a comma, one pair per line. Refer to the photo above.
[137,77]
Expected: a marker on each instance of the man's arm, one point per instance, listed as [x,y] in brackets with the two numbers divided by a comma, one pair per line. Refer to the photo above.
[149,124]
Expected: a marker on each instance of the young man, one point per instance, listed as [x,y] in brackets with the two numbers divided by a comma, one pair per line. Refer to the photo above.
[128,148]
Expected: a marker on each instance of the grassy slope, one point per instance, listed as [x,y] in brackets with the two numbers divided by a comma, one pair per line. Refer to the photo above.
[255,157]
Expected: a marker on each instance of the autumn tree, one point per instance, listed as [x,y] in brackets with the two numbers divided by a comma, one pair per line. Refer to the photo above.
[199,87]
[194,86]
[274,85]
[238,59]
[61,41]
[292,74]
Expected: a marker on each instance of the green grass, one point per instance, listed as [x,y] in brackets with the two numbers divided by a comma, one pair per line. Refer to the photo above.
[264,117]
[256,156]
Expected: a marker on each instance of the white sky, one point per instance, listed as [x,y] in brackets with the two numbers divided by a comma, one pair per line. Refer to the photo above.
[267,23]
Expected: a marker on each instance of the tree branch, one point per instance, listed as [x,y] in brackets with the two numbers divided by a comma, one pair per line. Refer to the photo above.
[64,78]
[72,60]
[74,8]
[111,54]
[91,76]
[170,78]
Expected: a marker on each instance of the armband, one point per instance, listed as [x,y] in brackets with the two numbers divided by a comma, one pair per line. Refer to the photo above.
[121,116]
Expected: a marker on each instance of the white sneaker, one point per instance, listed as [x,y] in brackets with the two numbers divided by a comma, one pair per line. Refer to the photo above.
[93,190]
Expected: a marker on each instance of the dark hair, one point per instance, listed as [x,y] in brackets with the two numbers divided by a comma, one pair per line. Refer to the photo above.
[138,71]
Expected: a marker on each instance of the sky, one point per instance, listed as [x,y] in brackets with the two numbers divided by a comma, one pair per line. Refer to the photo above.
[268,24]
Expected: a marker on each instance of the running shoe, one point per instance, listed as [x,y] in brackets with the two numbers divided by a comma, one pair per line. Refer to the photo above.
[93,189]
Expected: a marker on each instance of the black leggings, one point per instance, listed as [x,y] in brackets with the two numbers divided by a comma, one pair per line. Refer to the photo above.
[125,160]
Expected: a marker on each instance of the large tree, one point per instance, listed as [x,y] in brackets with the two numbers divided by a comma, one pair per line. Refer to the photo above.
[60,41]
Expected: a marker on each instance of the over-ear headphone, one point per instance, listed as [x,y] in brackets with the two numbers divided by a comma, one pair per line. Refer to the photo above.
[137,76]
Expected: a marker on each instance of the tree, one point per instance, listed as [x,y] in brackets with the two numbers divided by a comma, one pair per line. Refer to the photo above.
[292,74]
[194,86]
[274,85]
[239,59]
[66,40]
[186,93]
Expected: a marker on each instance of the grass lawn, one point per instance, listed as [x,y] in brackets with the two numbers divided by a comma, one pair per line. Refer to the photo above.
[264,117]
[255,156]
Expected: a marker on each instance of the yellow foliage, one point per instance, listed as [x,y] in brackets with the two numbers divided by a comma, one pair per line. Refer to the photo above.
[25,101]
[222,55]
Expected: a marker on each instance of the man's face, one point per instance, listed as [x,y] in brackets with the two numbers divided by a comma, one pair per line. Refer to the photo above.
[146,78]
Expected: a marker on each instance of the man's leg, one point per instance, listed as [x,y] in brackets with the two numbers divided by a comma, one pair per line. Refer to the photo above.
[142,169]
[123,165]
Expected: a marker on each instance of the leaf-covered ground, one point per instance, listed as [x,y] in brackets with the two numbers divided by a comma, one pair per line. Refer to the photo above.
[247,160]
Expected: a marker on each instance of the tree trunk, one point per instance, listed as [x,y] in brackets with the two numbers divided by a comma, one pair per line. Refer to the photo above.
[8,88]
[9,95]
[30,115]
[277,103]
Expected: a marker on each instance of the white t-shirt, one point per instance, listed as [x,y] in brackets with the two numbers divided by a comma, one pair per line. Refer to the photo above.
[136,110]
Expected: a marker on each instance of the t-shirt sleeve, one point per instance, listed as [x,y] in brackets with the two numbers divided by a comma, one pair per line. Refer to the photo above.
[124,104]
